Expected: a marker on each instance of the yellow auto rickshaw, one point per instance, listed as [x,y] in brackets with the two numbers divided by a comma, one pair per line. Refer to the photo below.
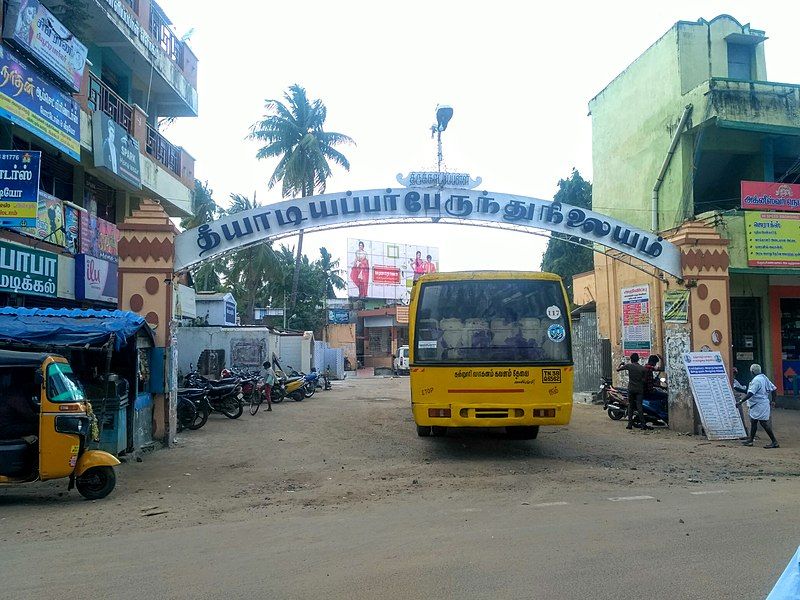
[45,425]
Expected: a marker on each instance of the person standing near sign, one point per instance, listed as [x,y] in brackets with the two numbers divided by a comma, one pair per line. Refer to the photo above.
[636,378]
[760,395]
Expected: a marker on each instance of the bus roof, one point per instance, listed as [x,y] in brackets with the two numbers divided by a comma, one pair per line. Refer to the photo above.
[488,275]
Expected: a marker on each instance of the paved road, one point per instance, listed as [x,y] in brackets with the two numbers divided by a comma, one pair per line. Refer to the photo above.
[336,497]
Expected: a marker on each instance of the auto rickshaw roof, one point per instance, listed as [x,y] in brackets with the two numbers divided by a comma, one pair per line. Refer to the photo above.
[12,358]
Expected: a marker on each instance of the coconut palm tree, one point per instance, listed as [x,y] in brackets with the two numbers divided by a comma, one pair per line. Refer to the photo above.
[250,269]
[293,131]
[330,271]
[205,209]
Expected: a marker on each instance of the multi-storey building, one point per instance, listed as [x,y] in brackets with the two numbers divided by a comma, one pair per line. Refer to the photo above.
[692,140]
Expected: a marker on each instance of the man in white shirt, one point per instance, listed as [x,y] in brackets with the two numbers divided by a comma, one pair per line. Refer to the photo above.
[759,397]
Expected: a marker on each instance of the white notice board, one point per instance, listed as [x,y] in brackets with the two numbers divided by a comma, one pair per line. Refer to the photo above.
[713,395]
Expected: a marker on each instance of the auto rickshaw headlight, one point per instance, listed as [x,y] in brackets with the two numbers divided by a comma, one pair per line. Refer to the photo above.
[77,425]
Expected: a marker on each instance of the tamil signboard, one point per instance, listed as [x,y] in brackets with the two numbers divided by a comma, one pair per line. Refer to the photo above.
[115,150]
[438,179]
[338,316]
[25,270]
[34,30]
[386,270]
[773,239]
[636,320]
[30,102]
[676,306]
[19,187]
[95,279]
[713,395]
[767,195]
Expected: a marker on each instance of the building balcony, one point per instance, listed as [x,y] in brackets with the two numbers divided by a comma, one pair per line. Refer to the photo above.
[764,106]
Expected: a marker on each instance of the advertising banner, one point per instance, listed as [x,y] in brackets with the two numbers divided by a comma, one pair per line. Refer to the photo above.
[49,225]
[99,238]
[636,320]
[386,270]
[676,306]
[19,187]
[773,239]
[230,313]
[25,270]
[115,150]
[95,279]
[35,30]
[713,395]
[29,101]
[766,195]
[338,316]
[72,227]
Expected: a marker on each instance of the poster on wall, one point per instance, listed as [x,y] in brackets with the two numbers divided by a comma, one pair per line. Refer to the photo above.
[72,227]
[32,28]
[99,237]
[49,222]
[387,270]
[713,395]
[773,239]
[676,306]
[19,187]
[636,320]
[115,150]
[95,279]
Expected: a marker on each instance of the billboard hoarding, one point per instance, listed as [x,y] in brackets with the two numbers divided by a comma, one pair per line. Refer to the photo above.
[49,225]
[30,102]
[25,270]
[767,195]
[95,279]
[115,150]
[34,29]
[386,270]
[636,320]
[773,239]
[19,187]
[99,237]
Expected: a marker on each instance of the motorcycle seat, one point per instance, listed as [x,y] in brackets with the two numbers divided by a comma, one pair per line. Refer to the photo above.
[223,390]
[191,392]
[223,383]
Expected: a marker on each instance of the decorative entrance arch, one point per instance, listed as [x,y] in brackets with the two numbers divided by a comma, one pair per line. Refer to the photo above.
[420,205]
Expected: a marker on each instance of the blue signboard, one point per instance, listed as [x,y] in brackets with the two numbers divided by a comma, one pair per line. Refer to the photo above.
[230,313]
[37,106]
[338,316]
[19,187]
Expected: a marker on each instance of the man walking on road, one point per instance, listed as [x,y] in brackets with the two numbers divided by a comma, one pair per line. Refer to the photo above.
[636,375]
[759,396]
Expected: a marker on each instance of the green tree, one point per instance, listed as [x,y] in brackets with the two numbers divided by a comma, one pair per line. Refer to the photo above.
[294,132]
[250,269]
[563,256]
[330,271]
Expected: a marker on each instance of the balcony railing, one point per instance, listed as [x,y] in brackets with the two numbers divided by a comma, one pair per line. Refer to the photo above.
[159,148]
[165,38]
[102,97]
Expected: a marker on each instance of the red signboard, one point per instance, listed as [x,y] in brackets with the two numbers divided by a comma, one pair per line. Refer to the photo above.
[382,274]
[767,195]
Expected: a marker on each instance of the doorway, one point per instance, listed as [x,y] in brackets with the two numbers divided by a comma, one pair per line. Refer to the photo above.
[746,331]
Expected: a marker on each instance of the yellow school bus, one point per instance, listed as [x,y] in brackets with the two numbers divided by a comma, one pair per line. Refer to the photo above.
[490,349]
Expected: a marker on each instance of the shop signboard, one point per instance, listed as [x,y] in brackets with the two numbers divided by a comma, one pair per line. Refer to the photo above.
[636,320]
[19,187]
[676,306]
[767,195]
[30,102]
[99,237]
[33,29]
[386,270]
[338,316]
[25,270]
[713,395]
[402,315]
[115,151]
[230,313]
[773,239]
[95,279]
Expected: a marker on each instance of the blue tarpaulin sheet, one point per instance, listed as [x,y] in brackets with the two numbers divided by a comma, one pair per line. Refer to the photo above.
[68,327]
[788,586]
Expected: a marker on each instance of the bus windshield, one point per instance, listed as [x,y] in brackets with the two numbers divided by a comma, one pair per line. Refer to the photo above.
[492,321]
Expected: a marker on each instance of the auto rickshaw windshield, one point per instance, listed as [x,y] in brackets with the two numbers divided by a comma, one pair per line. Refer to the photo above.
[62,385]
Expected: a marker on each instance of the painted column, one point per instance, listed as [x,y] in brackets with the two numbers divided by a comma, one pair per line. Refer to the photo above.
[146,259]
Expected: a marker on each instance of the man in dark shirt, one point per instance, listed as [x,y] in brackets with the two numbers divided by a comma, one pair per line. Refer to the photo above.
[636,378]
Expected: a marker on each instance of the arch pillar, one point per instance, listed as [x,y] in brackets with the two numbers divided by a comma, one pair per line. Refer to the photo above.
[146,262]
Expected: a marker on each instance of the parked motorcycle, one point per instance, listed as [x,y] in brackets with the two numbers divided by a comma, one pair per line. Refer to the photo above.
[293,387]
[191,409]
[615,403]
[222,396]
[311,380]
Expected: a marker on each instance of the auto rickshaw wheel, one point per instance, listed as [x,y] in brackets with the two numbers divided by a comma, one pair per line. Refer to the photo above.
[96,483]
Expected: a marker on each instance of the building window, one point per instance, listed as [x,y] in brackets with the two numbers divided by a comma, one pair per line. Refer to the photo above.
[740,62]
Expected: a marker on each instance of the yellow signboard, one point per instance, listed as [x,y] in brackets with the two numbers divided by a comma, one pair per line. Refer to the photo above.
[773,239]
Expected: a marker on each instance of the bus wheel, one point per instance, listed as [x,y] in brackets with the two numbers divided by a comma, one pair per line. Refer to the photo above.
[439,431]
[523,433]
[423,430]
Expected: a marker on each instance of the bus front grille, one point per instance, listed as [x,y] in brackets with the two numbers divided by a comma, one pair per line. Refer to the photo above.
[491,413]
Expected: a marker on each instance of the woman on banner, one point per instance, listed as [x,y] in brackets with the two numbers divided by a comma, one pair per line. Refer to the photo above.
[359,273]
[418,265]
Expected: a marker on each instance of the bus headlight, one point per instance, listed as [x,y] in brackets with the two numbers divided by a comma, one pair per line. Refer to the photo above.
[442,413]
[545,413]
